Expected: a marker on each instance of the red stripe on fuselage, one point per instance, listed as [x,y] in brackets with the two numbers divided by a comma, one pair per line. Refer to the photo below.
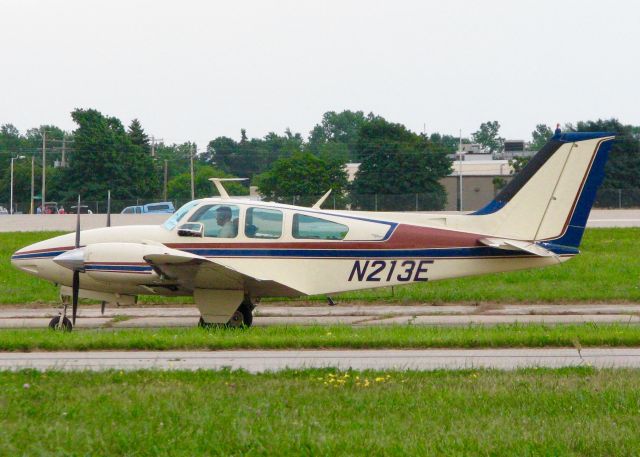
[37,251]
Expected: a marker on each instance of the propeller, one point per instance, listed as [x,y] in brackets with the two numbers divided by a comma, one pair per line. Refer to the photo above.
[76,272]
[104,303]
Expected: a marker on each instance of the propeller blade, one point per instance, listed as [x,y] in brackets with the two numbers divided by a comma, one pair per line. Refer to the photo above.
[76,273]
[78,223]
[76,289]
[108,210]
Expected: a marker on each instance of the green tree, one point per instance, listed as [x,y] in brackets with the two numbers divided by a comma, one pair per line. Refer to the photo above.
[303,175]
[488,136]
[138,136]
[250,157]
[623,168]
[518,163]
[445,143]
[540,136]
[337,134]
[105,158]
[179,187]
[177,157]
[399,163]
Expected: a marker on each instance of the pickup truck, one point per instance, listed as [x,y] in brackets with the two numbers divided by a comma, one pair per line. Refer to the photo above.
[150,208]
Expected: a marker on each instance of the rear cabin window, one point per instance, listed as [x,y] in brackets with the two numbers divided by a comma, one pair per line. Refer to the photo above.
[263,223]
[313,228]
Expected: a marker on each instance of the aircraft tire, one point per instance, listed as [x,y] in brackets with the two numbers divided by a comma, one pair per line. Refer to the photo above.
[67,326]
[242,317]
[246,308]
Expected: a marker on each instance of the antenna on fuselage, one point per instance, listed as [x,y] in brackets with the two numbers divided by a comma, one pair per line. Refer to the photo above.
[321,201]
[218,183]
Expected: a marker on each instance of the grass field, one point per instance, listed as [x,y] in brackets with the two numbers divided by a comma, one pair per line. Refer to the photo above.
[607,270]
[318,337]
[322,412]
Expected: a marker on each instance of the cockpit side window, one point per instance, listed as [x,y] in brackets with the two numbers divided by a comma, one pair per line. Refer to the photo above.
[314,228]
[178,215]
[219,221]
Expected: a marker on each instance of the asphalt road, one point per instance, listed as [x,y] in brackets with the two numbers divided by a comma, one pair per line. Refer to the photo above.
[261,361]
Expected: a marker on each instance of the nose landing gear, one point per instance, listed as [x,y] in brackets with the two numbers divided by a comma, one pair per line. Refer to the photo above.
[61,321]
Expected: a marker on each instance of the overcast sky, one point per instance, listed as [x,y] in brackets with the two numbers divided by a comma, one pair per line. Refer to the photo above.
[195,70]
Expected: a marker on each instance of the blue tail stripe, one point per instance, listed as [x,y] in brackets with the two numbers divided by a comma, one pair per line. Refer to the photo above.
[578,222]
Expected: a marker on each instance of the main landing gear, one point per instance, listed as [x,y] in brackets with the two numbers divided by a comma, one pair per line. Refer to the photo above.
[242,317]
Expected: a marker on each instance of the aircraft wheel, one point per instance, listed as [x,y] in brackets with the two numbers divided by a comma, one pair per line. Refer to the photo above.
[242,317]
[65,326]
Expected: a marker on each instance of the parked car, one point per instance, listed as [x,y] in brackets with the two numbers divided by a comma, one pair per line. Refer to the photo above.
[50,208]
[84,209]
[150,208]
[3,210]
[132,210]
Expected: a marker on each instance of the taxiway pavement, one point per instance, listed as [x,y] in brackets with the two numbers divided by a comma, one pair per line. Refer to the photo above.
[357,315]
[260,361]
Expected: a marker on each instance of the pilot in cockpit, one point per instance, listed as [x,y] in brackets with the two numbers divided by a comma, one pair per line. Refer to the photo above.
[223,219]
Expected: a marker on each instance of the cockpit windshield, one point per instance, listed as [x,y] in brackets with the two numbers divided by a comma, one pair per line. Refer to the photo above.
[178,215]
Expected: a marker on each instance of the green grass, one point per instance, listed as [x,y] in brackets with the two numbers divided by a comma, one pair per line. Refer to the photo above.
[572,412]
[317,337]
[607,270]
[16,286]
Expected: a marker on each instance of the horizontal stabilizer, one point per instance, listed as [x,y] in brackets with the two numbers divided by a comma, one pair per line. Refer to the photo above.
[517,245]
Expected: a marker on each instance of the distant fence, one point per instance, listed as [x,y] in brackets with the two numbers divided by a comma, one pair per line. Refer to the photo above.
[606,199]
[618,198]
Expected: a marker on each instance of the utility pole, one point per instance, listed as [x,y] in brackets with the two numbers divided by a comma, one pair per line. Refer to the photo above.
[63,162]
[164,194]
[13,159]
[193,188]
[33,169]
[44,170]
[11,198]
[154,142]
[460,172]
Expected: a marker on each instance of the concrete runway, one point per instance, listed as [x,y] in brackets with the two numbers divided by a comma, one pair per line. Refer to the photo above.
[357,315]
[261,361]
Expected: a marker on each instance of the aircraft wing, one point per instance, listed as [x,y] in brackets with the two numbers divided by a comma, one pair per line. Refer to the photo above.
[517,245]
[193,271]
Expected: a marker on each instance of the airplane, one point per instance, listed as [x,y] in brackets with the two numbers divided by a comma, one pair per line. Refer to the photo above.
[228,253]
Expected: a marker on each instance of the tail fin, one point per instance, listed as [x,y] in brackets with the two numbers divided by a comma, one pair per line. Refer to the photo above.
[551,198]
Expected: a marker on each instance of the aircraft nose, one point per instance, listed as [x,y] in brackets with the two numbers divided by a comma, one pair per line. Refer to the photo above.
[22,260]
[73,259]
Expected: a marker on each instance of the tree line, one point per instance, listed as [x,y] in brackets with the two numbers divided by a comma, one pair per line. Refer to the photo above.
[102,154]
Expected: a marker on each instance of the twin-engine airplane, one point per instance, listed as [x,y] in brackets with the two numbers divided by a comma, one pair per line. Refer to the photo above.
[228,253]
